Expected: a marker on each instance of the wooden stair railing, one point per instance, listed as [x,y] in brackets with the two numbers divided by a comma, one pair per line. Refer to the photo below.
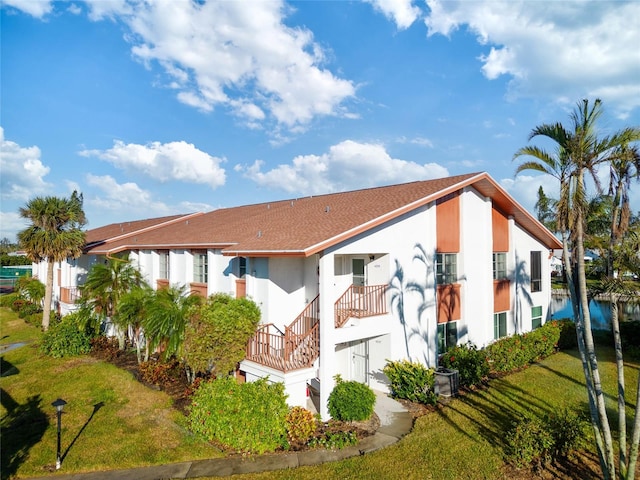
[360,302]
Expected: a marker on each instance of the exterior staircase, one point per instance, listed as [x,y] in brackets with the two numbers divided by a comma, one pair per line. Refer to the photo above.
[298,346]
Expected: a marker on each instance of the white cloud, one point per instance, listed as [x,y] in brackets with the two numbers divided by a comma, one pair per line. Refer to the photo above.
[165,161]
[524,188]
[402,12]
[557,50]
[226,54]
[10,224]
[22,171]
[347,165]
[35,8]
[118,197]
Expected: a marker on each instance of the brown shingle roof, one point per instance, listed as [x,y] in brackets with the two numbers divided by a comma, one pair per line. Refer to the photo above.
[305,226]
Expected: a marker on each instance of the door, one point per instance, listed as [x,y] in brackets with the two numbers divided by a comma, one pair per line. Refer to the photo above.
[360,361]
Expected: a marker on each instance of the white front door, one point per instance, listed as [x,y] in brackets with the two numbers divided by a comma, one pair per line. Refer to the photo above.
[359,361]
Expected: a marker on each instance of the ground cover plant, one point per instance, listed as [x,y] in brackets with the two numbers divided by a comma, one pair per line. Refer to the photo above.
[108,411]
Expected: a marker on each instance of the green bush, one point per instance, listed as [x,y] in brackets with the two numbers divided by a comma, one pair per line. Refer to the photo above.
[28,309]
[472,364]
[568,339]
[517,351]
[334,440]
[411,381]
[630,333]
[301,424]
[8,299]
[568,429]
[248,417]
[534,441]
[349,401]
[529,442]
[66,338]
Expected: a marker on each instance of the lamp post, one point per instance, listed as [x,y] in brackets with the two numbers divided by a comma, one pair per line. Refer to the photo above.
[59,404]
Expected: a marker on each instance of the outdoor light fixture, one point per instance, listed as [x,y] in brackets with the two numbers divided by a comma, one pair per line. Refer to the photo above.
[59,404]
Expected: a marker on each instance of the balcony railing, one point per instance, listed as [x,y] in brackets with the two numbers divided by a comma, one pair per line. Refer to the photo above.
[360,302]
[70,295]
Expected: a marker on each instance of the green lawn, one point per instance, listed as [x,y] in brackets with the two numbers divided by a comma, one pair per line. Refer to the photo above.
[111,421]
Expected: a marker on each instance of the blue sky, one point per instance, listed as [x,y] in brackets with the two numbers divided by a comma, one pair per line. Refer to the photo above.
[155,108]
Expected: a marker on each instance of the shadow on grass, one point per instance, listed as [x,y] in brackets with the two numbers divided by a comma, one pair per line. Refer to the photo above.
[96,407]
[21,428]
[7,368]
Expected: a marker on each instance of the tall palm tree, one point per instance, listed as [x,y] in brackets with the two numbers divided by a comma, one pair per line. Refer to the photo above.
[105,286]
[55,234]
[624,167]
[580,152]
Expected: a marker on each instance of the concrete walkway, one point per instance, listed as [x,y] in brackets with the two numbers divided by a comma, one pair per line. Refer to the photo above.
[395,423]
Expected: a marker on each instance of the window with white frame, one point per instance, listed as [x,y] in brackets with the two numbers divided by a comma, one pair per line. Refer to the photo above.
[163,272]
[447,336]
[536,271]
[499,325]
[200,267]
[446,268]
[499,265]
[536,317]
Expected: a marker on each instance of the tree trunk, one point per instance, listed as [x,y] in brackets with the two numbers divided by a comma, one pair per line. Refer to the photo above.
[635,438]
[622,418]
[603,421]
[48,296]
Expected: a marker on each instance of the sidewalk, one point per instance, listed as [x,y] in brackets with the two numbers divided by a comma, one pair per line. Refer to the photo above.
[395,423]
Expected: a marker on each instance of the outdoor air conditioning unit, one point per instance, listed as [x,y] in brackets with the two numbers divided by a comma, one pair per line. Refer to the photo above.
[446,384]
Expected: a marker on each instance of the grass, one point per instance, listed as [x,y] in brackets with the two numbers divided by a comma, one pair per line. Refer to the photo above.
[112,421]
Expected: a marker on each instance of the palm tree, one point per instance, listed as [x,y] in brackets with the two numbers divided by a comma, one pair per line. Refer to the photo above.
[167,313]
[130,314]
[624,167]
[580,152]
[55,234]
[105,286]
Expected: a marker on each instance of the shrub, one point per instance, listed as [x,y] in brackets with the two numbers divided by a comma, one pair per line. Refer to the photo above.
[158,372]
[301,424]
[34,319]
[105,347]
[535,441]
[8,299]
[568,429]
[334,440]
[528,442]
[349,401]
[472,364]
[28,309]
[568,339]
[411,381]
[66,338]
[17,304]
[247,417]
[630,333]
[518,351]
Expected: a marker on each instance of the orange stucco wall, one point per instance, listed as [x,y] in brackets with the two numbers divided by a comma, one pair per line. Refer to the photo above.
[448,224]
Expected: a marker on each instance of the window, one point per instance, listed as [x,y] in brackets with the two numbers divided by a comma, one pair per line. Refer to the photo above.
[200,267]
[536,271]
[164,264]
[499,325]
[499,266]
[446,268]
[447,336]
[242,267]
[536,317]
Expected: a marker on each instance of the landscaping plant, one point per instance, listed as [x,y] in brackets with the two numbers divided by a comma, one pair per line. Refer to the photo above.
[411,381]
[248,417]
[472,363]
[350,400]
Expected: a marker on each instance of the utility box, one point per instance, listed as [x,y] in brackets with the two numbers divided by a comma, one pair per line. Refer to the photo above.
[446,382]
